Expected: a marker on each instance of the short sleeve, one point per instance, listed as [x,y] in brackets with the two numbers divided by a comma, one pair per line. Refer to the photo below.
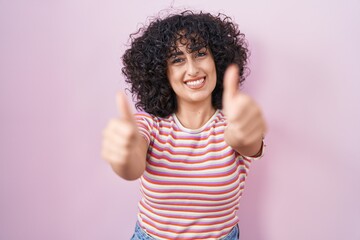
[144,122]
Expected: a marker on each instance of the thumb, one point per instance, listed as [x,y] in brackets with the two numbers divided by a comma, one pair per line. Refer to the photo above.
[123,107]
[231,83]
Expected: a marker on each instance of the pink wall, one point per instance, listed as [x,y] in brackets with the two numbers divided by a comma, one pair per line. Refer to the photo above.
[60,69]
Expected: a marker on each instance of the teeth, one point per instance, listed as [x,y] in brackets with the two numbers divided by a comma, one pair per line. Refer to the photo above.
[194,83]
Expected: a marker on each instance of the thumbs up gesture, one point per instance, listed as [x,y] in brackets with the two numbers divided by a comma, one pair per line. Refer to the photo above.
[245,124]
[122,145]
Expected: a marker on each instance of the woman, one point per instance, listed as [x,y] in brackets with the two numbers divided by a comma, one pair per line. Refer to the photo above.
[193,140]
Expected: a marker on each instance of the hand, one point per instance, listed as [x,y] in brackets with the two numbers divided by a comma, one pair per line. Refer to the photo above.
[246,125]
[120,135]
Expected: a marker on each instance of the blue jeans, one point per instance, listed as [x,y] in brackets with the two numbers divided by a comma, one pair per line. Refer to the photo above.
[140,234]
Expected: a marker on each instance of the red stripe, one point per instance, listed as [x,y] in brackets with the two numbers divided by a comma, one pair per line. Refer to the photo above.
[192,173]
[199,143]
[188,208]
[173,219]
[195,157]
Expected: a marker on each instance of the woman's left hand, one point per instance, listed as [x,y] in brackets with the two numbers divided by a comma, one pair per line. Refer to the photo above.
[246,125]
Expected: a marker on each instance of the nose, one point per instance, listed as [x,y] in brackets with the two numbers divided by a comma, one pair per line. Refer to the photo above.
[192,68]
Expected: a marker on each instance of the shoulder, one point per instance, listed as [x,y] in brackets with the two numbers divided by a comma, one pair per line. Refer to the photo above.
[151,119]
[143,115]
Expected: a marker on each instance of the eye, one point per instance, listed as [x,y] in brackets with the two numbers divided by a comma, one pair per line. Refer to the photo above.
[201,53]
[176,60]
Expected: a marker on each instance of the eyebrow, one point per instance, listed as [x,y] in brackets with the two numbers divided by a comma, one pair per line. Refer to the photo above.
[177,53]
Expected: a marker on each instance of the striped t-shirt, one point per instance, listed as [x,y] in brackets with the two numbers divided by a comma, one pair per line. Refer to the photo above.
[193,180]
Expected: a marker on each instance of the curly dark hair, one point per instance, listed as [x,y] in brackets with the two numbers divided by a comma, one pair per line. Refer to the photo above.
[145,62]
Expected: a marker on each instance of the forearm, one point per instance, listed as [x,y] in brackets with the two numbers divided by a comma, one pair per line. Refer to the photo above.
[253,150]
[250,146]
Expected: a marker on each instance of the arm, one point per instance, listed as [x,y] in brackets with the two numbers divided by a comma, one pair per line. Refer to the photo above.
[251,150]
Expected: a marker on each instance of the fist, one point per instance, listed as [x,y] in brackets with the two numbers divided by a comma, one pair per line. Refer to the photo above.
[246,125]
[120,134]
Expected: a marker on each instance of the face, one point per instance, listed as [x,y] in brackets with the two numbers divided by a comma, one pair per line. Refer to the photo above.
[192,75]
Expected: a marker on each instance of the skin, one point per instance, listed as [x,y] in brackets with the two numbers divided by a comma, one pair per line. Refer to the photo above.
[192,76]
[122,145]
[125,149]
[246,124]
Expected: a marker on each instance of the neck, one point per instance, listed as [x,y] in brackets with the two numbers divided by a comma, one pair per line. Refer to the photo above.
[193,116]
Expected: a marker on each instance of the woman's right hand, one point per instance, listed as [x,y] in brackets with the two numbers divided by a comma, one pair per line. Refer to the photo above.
[122,145]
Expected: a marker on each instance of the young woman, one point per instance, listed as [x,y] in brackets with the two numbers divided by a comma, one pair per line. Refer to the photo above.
[195,134]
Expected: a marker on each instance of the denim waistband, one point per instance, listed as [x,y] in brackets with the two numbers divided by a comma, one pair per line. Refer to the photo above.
[140,234]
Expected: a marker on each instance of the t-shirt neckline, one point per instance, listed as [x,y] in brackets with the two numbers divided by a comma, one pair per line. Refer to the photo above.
[198,130]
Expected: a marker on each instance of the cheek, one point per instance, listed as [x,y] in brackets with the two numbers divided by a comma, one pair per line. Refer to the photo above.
[210,65]
[172,81]
[212,72]
[174,77]
[172,84]
[170,76]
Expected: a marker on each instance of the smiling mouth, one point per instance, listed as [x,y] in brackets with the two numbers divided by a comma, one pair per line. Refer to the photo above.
[195,83]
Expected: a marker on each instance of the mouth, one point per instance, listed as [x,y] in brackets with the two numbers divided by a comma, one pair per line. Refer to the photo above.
[195,83]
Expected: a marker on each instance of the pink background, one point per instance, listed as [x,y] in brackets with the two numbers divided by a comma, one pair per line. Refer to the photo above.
[60,70]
